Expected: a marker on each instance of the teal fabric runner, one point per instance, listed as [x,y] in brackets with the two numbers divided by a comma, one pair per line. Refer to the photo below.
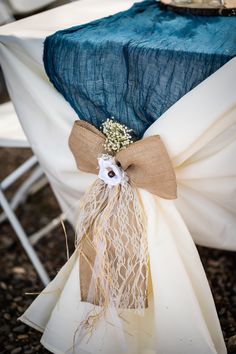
[136,64]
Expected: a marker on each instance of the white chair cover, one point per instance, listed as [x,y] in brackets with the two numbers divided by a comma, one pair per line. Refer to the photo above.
[199,133]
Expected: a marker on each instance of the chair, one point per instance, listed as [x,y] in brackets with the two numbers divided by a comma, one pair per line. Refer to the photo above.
[12,135]
[27,6]
[5,13]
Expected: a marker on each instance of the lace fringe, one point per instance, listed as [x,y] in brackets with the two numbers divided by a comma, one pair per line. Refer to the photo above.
[113,249]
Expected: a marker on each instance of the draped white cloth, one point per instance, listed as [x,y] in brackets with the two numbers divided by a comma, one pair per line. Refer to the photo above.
[181,317]
[199,133]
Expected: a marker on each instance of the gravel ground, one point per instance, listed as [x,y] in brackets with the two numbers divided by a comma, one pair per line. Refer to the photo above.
[17,275]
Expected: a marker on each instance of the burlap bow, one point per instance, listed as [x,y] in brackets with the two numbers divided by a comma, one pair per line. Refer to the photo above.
[146,161]
[111,231]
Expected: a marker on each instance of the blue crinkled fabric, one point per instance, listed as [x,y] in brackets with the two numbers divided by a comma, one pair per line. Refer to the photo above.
[136,64]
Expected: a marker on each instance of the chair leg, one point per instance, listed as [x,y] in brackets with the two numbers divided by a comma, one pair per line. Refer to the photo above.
[23,191]
[24,239]
[26,166]
[35,237]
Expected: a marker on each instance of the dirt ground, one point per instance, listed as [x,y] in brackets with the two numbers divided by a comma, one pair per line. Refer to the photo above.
[17,275]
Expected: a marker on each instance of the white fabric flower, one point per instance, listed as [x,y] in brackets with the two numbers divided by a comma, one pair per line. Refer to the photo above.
[109,172]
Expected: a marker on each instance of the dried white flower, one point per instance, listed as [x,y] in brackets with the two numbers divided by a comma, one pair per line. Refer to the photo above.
[118,136]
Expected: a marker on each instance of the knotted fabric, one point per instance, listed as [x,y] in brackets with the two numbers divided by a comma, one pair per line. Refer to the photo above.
[111,229]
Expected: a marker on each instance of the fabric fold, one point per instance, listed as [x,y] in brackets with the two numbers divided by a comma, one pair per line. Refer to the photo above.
[203,155]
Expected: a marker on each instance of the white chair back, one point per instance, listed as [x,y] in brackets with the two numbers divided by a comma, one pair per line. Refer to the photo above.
[5,13]
[11,133]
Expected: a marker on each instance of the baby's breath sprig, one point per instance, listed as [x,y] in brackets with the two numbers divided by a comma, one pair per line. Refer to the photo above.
[118,136]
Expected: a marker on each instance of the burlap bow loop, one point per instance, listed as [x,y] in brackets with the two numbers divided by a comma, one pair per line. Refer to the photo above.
[146,161]
[86,143]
